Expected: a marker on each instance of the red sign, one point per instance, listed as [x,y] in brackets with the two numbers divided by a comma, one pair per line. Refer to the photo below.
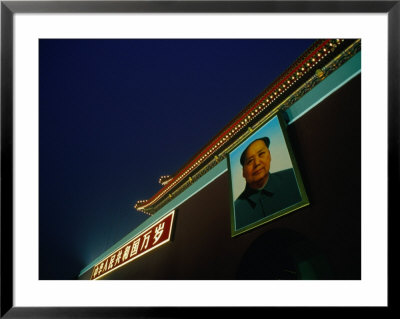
[154,236]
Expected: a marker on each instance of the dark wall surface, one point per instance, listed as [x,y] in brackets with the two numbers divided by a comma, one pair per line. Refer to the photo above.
[319,241]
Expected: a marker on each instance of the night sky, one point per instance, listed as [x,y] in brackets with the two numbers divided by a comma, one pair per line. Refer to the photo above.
[115,115]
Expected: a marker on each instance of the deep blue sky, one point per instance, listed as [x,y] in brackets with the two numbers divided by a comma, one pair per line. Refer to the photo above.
[115,115]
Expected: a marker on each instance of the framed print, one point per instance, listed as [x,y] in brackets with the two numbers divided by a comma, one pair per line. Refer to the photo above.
[25,22]
[265,179]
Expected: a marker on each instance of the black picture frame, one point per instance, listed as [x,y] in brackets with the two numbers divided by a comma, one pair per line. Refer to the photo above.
[9,8]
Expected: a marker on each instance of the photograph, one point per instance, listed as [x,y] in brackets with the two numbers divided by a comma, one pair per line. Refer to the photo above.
[116,115]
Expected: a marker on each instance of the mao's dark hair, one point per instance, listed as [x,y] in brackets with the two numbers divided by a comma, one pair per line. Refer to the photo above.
[243,156]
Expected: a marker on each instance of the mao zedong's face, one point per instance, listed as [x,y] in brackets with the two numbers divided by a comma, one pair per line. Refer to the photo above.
[256,165]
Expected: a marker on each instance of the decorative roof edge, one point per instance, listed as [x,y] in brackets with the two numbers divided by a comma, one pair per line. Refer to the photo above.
[318,62]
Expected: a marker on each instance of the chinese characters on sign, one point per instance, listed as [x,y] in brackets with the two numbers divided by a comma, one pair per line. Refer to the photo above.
[156,235]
